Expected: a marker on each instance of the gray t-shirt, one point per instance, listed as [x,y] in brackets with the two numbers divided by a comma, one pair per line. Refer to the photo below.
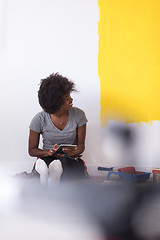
[51,135]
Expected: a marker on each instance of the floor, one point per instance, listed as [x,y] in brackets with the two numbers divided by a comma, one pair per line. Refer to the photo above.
[86,209]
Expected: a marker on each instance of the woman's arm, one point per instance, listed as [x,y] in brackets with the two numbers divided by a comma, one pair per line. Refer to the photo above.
[33,149]
[81,135]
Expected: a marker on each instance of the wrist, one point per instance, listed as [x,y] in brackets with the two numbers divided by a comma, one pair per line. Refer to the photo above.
[80,149]
[49,153]
[78,152]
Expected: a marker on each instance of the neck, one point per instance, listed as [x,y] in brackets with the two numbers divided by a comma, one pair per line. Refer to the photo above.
[60,113]
[59,117]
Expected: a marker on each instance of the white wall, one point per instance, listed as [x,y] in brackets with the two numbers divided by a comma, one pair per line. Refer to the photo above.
[37,38]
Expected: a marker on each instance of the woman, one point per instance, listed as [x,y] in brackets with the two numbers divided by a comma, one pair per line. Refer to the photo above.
[58,123]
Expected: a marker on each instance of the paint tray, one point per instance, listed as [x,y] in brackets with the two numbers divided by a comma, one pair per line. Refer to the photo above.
[129,174]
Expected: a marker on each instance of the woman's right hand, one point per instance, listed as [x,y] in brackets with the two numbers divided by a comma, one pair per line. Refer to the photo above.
[53,150]
[33,149]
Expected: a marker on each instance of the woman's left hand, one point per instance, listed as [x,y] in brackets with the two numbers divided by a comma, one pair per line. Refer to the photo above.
[81,132]
[70,152]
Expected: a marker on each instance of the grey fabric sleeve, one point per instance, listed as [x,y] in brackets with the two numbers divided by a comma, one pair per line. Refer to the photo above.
[80,117]
[36,123]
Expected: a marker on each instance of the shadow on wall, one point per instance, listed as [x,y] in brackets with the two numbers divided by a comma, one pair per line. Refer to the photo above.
[131,144]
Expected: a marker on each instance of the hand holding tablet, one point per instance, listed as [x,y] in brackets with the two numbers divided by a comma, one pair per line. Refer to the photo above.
[64,148]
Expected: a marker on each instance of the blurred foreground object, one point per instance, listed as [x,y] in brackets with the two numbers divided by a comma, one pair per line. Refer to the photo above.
[156,176]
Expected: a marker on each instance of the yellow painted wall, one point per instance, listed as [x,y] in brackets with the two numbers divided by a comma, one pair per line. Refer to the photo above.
[129,60]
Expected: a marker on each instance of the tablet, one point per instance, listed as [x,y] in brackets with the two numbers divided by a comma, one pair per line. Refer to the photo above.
[59,150]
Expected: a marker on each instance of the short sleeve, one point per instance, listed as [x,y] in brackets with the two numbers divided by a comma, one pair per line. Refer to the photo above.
[80,117]
[36,123]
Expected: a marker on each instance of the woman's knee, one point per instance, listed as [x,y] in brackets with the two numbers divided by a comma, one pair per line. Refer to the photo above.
[41,167]
[55,167]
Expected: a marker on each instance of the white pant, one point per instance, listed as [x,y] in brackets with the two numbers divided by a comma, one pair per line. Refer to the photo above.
[49,175]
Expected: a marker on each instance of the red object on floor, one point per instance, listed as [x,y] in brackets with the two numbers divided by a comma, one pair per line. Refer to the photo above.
[127,170]
[155,171]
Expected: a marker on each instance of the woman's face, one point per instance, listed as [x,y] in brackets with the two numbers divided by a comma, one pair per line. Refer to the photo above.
[68,102]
